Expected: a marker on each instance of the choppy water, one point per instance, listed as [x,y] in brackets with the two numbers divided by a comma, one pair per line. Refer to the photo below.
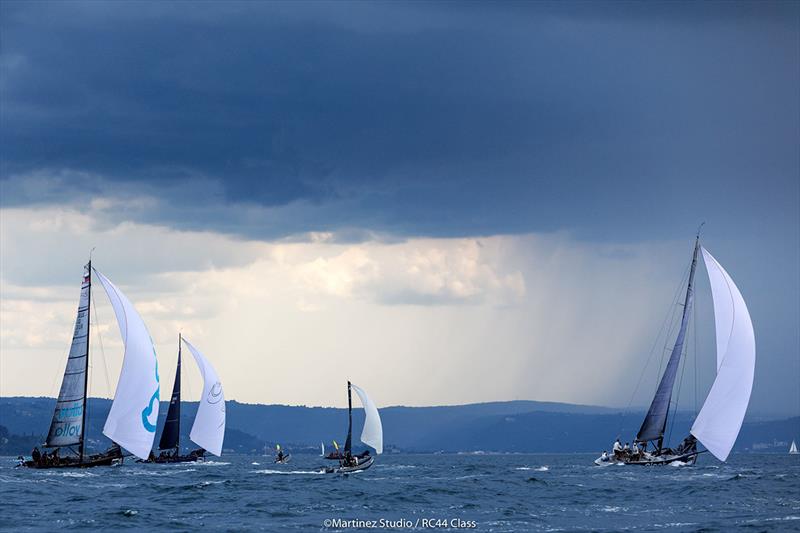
[497,492]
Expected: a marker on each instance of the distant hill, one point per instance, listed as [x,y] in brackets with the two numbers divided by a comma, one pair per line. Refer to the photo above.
[517,426]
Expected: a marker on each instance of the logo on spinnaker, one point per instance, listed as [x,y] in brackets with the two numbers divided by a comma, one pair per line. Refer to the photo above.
[215,394]
[154,399]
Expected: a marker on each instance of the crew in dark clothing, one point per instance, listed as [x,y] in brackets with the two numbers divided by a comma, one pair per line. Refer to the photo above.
[36,455]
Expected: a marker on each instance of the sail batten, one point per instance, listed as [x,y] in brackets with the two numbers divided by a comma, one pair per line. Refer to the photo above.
[67,425]
[655,421]
[131,421]
[208,429]
[718,423]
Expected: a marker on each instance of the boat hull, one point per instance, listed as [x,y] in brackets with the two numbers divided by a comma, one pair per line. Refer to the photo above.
[95,460]
[658,460]
[362,465]
[173,459]
[283,461]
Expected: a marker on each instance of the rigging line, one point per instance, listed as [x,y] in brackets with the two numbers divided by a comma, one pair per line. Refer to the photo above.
[677,399]
[87,418]
[670,314]
[694,336]
[102,351]
[673,322]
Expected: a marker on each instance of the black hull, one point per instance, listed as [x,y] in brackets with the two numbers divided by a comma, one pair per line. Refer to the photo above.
[286,459]
[178,459]
[104,460]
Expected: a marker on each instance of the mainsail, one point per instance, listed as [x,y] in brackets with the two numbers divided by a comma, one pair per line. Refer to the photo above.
[720,419]
[132,419]
[208,430]
[372,434]
[67,427]
[170,436]
[656,420]
[793,448]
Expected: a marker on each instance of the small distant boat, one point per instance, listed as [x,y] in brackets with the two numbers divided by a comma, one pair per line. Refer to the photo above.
[208,430]
[718,423]
[322,449]
[335,455]
[136,399]
[793,448]
[371,435]
[281,458]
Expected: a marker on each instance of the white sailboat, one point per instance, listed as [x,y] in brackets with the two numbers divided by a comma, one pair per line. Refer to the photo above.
[208,430]
[718,423]
[793,448]
[134,411]
[322,449]
[371,434]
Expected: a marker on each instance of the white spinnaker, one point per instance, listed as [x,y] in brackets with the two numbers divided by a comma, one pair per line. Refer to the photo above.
[208,429]
[372,435]
[131,422]
[719,421]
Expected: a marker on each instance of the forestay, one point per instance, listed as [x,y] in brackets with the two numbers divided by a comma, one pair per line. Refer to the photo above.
[719,421]
[208,430]
[372,435]
[131,422]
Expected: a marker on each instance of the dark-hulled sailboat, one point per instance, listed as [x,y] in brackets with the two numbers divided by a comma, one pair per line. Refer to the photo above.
[135,401]
[718,423]
[371,435]
[208,430]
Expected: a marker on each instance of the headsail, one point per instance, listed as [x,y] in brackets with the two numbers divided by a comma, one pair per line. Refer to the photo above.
[719,421]
[132,419]
[372,434]
[656,420]
[170,436]
[66,429]
[208,429]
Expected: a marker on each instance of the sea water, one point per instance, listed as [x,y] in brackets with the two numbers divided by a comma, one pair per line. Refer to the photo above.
[487,492]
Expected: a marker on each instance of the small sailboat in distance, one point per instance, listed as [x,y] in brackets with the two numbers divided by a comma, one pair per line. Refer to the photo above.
[322,449]
[718,423]
[793,448]
[335,455]
[208,429]
[281,457]
[371,435]
[134,411]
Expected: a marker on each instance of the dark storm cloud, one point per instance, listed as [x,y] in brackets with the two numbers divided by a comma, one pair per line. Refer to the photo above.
[421,118]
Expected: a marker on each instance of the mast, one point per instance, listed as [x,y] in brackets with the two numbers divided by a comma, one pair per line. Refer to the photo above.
[177,391]
[655,422]
[348,443]
[86,372]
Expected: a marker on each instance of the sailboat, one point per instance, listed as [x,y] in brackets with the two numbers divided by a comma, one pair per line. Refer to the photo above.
[718,423]
[208,429]
[793,448]
[131,420]
[336,454]
[281,457]
[322,449]
[371,435]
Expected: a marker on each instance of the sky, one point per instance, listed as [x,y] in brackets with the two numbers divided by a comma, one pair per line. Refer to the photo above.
[444,202]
